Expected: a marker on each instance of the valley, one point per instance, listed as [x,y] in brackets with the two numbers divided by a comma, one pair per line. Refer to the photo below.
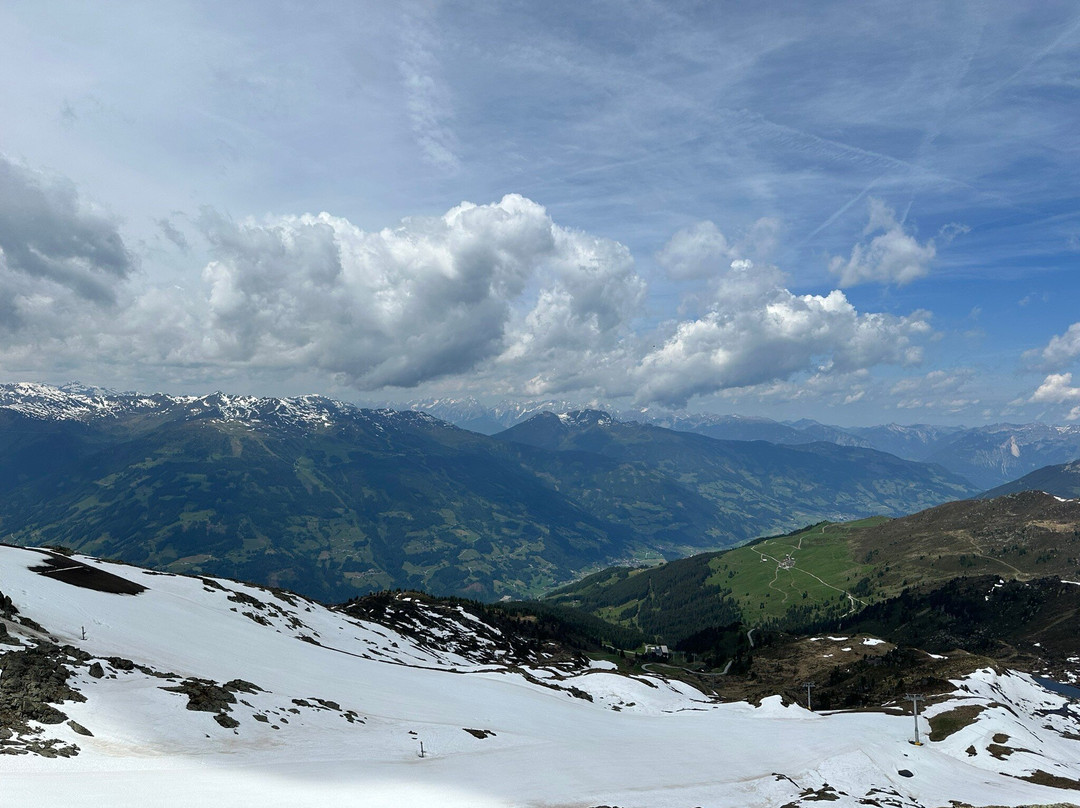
[333,500]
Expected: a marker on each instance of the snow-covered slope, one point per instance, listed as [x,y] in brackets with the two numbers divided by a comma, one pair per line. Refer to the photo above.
[304,705]
[74,402]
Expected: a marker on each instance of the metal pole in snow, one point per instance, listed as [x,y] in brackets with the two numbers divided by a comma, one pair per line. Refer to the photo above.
[808,685]
[915,699]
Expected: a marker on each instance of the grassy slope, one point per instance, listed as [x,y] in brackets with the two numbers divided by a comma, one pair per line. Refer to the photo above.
[839,568]
[824,570]
[747,584]
[1021,536]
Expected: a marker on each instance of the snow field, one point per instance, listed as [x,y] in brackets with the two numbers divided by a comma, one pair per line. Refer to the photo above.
[667,745]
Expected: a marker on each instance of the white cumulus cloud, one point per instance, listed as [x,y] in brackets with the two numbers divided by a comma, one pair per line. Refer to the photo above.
[891,256]
[53,243]
[572,337]
[1060,351]
[432,298]
[493,297]
[64,267]
[702,251]
[1057,389]
[757,331]
[699,251]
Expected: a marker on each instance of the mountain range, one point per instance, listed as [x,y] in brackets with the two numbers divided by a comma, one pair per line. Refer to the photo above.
[334,500]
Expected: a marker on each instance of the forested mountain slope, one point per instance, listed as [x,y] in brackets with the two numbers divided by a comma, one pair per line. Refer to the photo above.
[334,500]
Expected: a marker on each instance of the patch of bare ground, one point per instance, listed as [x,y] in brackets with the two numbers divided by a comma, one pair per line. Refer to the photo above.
[945,724]
[32,681]
[1054,781]
[999,751]
[846,673]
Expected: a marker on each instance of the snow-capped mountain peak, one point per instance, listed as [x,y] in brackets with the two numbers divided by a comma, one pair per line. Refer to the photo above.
[76,402]
[586,418]
[71,402]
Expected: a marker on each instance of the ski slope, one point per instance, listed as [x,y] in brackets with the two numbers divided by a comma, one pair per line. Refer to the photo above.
[342,706]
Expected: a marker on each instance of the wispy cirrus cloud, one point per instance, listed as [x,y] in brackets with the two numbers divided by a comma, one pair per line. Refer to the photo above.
[427,98]
[952,391]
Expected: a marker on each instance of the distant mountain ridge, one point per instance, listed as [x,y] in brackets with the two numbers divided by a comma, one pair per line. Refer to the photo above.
[987,456]
[469,413]
[1060,481]
[90,405]
[754,483]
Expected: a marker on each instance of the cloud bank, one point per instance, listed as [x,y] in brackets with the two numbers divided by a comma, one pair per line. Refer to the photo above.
[432,298]
[497,295]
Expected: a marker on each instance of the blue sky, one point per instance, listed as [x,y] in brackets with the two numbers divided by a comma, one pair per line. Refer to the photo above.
[855,212]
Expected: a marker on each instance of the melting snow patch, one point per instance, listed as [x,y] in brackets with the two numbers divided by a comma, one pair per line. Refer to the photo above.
[873,641]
